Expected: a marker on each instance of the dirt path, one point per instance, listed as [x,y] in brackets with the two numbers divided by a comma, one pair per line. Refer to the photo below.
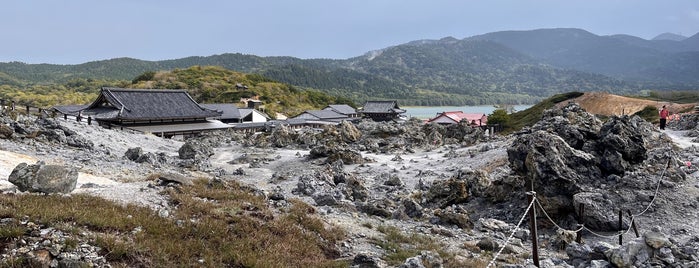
[680,138]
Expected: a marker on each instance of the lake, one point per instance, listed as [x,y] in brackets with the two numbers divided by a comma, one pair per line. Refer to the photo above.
[425,112]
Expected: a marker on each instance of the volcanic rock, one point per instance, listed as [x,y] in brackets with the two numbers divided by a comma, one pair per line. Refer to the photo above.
[44,178]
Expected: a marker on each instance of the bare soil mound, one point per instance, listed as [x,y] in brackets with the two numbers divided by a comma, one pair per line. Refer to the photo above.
[602,103]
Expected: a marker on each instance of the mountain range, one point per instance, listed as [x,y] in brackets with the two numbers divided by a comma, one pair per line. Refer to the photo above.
[498,67]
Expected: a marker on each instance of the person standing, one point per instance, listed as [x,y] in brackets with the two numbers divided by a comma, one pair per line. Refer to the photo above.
[664,113]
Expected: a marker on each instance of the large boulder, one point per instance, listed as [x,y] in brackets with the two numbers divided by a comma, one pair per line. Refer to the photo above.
[599,211]
[570,151]
[44,178]
[334,153]
[554,167]
[53,131]
[621,144]
[6,131]
[349,132]
[282,136]
[195,149]
[572,123]
[444,193]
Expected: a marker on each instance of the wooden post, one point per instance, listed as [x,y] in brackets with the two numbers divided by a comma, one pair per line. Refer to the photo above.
[65,116]
[532,228]
[581,215]
[89,120]
[633,223]
[27,109]
[621,234]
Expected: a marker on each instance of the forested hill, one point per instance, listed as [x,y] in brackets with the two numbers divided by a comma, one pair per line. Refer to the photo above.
[665,63]
[503,67]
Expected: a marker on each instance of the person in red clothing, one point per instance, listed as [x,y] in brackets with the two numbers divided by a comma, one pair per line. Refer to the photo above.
[664,113]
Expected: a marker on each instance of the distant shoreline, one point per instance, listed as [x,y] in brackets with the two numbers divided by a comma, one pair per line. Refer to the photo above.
[426,112]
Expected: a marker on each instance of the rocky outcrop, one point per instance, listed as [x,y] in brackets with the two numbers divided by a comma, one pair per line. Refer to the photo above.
[334,152]
[444,193]
[571,158]
[137,155]
[282,136]
[6,131]
[195,149]
[44,178]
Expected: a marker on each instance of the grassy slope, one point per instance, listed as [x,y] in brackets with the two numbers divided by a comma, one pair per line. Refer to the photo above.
[532,115]
[208,84]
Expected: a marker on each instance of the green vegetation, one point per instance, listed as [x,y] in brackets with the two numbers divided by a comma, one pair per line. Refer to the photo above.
[499,117]
[400,246]
[449,72]
[74,91]
[532,115]
[649,113]
[675,96]
[206,84]
[217,223]
[209,84]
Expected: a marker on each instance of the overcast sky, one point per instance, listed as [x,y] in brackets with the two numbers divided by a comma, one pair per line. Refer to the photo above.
[78,31]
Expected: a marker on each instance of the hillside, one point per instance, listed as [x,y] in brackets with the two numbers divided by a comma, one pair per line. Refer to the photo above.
[500,67]
[601,103]
[210,84]
[657,62]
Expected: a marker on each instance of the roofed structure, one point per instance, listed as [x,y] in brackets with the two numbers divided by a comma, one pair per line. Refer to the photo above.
[343,109]
[229,111]
[382,110]
[163,112]
[252,115]
[69,109]
[455,117]
[323,115]
[132,106]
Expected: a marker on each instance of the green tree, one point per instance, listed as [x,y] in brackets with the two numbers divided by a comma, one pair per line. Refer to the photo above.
[500,117]
[146,76]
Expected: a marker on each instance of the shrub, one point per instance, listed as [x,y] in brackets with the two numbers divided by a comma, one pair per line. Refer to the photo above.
[649,113]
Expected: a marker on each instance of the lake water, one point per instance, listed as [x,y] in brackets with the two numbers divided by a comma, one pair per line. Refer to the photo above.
[425,112]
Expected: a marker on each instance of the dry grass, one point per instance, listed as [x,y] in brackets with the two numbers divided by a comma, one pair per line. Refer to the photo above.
[216,224]
[602,103]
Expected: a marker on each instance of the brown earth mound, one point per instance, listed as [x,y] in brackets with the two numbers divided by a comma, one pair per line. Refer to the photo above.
[602,103]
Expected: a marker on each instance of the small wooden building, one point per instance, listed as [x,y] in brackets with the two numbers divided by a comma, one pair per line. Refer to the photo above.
[382,110]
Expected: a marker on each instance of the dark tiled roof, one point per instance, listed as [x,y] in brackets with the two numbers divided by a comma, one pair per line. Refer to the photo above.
[321,114]
[229,110]
[69,109]
[341,108]
[146,104]
[382,107]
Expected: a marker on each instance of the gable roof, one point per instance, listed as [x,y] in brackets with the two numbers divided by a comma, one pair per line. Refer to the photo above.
[341,109]
[321,114]
[146,104]
[458,116]
[382,107]
[247,111]
[229,110]
[69,109]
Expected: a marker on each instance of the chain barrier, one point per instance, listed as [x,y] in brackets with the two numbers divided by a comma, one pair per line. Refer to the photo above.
[531,204]
[633,216]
